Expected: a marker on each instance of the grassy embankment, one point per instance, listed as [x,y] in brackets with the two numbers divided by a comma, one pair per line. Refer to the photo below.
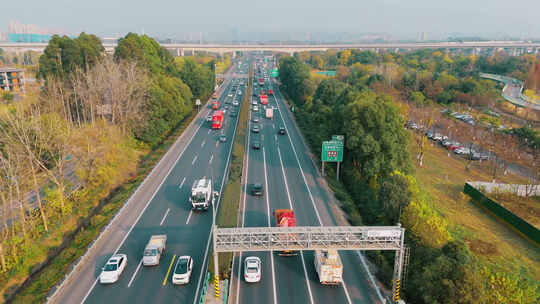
[97,217]
[228,210]
[491,240]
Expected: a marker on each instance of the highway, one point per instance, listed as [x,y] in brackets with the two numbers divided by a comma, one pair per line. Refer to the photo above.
[166,212]
[290,181]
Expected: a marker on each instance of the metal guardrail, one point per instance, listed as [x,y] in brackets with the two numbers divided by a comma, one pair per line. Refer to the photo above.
[521,100]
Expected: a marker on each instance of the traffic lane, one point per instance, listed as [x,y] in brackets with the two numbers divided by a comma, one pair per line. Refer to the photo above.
[306,215]
[359,287]
[291,283]
[166,197]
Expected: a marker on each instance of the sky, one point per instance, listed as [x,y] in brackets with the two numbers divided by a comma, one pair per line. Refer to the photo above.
[177,18]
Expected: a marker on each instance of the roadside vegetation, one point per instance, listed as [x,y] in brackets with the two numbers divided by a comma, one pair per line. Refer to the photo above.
[84,143]
[384,181]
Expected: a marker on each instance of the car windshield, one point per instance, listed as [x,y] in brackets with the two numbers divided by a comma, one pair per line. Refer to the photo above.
[181,266]
[258,186]
[252,269]
[110,267]
[150,252]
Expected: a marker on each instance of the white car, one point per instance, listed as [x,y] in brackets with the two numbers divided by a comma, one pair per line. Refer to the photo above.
[113,269]
[229,95]
[182,270]
[252,269]
[239,93]
[235,103]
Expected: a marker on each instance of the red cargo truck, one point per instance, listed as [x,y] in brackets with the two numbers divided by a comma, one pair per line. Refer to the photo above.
[215,105]
[264,99]
[270,92]
[285,218]
[261,81]
[217,119]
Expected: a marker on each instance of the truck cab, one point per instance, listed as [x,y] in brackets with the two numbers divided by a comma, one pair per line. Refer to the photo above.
[202,194]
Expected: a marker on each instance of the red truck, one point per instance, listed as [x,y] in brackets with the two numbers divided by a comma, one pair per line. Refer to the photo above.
[285,218]
[270,92]
[215,105]
[261,81]
[217,119]
[264,99]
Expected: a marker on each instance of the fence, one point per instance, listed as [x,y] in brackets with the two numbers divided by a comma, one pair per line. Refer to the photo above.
[507,216]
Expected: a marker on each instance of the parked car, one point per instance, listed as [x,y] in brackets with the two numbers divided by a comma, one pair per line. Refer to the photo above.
[182,270]
[462,151]
[454,146]
[252,269]
[113,269]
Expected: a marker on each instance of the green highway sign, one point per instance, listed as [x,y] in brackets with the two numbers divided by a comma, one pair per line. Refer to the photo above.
[274,73]
[332,151]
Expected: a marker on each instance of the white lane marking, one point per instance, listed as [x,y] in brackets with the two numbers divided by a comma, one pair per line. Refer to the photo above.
[147,203]
[211,158]
[273,127]
[217,143]
[134,274]
[268,218]
[370,276]
[275,137]
[189,216]
[210,130]
[194,159]
[305,274]
[309,191]
[243,209]
[290,204]
[182,183]
[217,208]
[203,142]
[347,292]
[165,216]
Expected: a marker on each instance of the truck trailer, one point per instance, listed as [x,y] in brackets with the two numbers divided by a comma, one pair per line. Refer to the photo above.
[154,249]
[328,266]
[217,120]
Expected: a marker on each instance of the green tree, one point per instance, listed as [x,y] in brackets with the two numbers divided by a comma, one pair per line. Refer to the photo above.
[147,52]
[63,55]
[295,79]
[376,140]
[199,78]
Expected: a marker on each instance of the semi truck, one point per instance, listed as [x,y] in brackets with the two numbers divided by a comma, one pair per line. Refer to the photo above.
[154,249]
[329,267]
[217,120]
[285,218]
[202,194]
[269,113]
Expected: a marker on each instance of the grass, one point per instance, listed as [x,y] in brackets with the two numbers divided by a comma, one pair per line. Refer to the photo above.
[491,240]
[528,208]
[37,289]
[228,210]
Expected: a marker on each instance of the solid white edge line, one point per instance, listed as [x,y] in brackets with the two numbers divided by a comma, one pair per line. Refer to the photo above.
[134,274]
[217,208]
[243,207]
[268,217]
[147,204]
[189,216]
[164,216]
[369,275]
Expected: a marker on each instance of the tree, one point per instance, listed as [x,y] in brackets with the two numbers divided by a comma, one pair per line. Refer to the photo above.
[295,79]
[199,78]
[146,52]
[376,140]
[63,55]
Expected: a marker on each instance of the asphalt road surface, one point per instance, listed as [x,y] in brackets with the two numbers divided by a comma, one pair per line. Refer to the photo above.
[284,167]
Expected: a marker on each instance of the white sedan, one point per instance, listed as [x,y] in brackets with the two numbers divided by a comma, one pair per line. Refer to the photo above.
[252,269]
[182,270]
[113,269]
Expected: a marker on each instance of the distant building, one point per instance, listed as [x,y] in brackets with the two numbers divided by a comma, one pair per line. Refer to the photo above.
[18,32]
[12,80]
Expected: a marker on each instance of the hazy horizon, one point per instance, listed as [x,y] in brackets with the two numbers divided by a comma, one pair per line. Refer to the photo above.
[300,19]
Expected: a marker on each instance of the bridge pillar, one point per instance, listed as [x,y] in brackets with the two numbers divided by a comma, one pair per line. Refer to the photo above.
[177,52]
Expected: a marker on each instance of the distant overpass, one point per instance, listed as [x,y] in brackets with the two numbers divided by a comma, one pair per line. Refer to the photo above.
[181,48]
